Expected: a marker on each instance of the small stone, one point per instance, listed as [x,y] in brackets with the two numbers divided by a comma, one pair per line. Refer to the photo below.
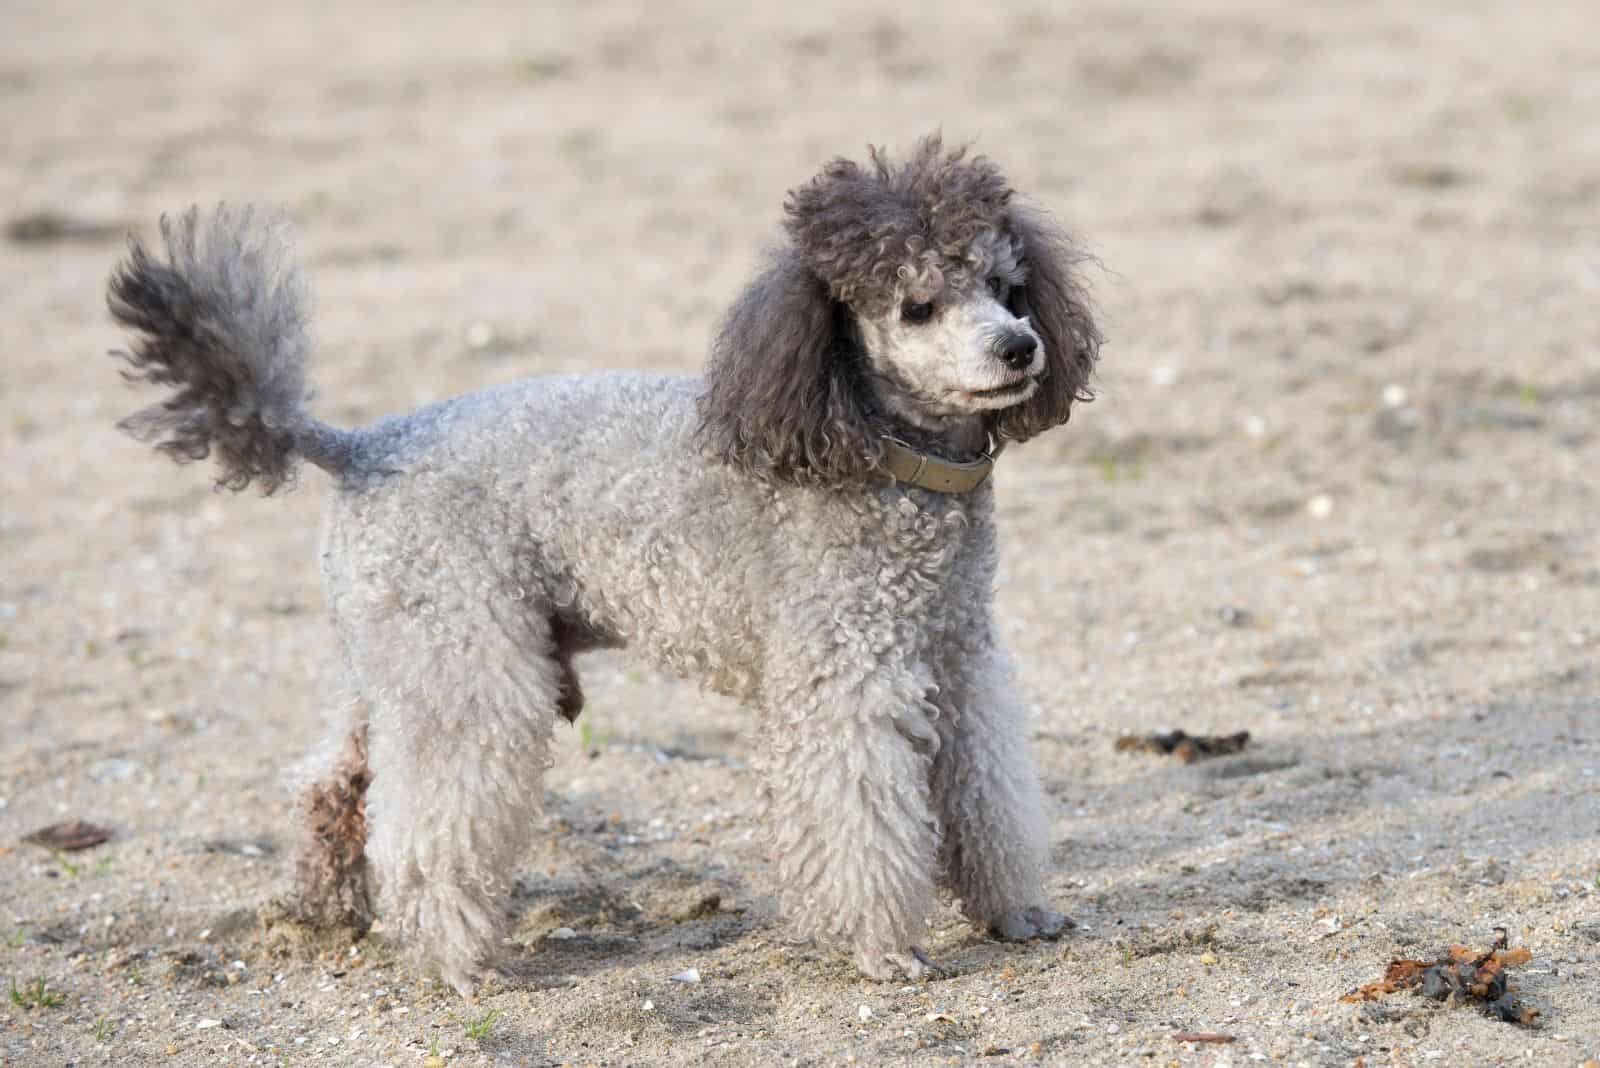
[1233,617]
[864,1012]
[562,934]
[113,769]
[1394,395]
[207,1024]
[480,336]
[1320,506]
[688,975]
[648,1006]
[1210,958]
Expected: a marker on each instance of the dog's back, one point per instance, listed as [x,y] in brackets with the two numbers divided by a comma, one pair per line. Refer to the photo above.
[584,493]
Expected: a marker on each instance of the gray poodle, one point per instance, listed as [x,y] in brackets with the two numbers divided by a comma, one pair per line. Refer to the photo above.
[807,528]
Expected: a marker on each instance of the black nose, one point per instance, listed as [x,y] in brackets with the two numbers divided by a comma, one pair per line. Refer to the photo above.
[1016,350]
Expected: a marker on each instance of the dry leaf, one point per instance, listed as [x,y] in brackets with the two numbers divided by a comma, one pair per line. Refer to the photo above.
[68,837]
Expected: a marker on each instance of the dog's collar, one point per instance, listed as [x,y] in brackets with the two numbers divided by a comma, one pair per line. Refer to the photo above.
[907,465]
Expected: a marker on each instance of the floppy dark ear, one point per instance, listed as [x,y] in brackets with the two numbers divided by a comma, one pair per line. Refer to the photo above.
[780,398]
[1058,307]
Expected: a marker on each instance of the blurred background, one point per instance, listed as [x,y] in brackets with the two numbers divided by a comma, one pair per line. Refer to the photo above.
[1349,262]
[1338,488]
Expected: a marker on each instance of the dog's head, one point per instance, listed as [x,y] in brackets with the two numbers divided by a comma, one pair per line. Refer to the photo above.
[920,293]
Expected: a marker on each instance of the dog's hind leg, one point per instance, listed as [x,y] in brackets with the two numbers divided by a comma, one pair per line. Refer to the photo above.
[331,882]
[466,685]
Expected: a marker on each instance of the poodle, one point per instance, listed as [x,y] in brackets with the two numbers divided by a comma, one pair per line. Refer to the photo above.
[807,528]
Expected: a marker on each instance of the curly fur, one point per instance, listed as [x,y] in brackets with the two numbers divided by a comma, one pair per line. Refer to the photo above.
[729,529]
[786,397]
[783,398]
[225,321]
[1058,307]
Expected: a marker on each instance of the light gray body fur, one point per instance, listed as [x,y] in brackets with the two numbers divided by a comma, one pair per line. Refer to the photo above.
[858,623]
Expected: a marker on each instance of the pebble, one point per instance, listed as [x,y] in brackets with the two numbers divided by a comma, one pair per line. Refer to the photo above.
[113,769]
[864,1012]
[688,975]
[561,934]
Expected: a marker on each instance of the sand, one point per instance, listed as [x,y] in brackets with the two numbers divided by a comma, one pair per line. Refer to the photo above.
[1338,490]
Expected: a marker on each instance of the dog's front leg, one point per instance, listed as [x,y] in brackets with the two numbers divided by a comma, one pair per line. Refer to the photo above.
[847,747]
[987,796]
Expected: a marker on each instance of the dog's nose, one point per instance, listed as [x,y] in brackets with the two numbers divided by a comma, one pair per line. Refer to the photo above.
[1016,350]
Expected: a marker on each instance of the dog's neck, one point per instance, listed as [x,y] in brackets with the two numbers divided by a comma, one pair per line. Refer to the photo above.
[961,437]
[961,443]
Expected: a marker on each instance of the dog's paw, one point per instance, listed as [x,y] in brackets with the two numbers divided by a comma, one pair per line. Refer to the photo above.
[909,966]
[1019,925]
[469,982]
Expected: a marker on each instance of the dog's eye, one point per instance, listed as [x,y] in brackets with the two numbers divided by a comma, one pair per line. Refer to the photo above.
[999,288]
[917,313]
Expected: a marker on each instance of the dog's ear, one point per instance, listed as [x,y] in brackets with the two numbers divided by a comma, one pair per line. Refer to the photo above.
[1056,304]
[781,398]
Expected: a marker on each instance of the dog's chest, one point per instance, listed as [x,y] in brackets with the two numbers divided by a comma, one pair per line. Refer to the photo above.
[930,534]
[914,553]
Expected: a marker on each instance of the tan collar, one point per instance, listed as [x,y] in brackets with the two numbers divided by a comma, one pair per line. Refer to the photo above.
[905,464]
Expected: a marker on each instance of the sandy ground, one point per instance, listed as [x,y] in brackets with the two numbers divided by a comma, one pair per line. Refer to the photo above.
[1339,490]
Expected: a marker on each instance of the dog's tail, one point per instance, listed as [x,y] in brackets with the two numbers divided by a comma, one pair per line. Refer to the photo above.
[224,322]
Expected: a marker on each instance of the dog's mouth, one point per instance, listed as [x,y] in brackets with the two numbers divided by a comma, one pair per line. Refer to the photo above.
[1010,393]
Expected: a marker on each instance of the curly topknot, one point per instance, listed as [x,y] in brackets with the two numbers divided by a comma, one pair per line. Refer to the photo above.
[863,231]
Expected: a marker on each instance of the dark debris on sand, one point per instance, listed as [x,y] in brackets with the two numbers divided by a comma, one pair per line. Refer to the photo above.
[68,837]
[1186,747]
[1462,975]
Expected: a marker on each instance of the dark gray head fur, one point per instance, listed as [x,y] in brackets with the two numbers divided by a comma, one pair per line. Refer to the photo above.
[784,397]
